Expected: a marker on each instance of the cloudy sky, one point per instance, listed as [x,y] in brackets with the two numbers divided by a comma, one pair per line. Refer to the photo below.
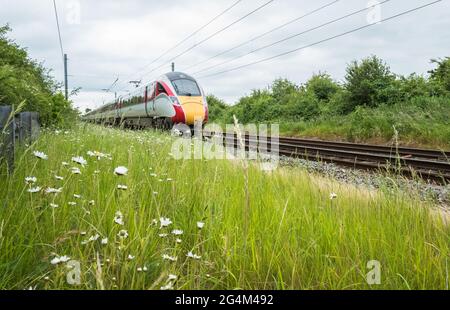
[110,39]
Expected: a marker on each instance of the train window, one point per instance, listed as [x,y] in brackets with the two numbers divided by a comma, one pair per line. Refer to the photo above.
[185,87]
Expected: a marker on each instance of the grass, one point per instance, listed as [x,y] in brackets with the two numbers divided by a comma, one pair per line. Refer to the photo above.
[293,237]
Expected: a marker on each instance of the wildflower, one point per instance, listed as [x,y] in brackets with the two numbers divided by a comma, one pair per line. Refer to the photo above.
[76,196]
[165,222]
[54,206]
[83,233]
[123,234]
[139,269]
[155,193]
[34,190]
[53,190]
[178,240]
[47,278]
[163,235]
[59,178]
[75,170]
[333,196]
[145,268]
[169,180]
[91,239]
[30,180]
[105,241]
[131,257]
[40,155]
[153,175]
[200,225]
[59,259]
[169,258]
[71,203]
[96,171]
[177,232]
[121,171]
[122,187]
[154,222]
[79,160]
[92,202]
[65,163]
[192,255]
[167,287]
[172,277]
[118,219]
[95,154]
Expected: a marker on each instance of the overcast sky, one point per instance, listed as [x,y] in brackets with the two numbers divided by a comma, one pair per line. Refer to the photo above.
[110,39]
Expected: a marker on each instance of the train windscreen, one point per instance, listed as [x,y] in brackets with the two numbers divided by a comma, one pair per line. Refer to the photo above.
[185,87]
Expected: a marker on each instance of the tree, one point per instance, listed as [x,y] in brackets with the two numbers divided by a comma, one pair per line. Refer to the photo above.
[322,86]
[216,108]
[368,83]
[441,74]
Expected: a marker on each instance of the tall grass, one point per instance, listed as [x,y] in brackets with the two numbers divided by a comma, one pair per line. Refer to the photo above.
[296,237]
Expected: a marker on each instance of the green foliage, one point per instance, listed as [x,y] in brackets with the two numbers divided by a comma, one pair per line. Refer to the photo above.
[366,107]
[23,79]
[216,107]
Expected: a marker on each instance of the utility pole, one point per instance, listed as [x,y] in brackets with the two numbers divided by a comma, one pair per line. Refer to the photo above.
[173,67]
[66,86]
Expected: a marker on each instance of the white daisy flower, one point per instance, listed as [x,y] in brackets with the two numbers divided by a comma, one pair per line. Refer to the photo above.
[118,219]
[155,193]
[122,187]
[154,222]
[333,196]
[59,259]
[64,259]
[131,257]
[169,180]
[177,232]
[75,171]
[153,175]
[165,222]
[64,163]
[30,180]
[71,203]
[144,268]
[83,233]
[40,155]
[139,269]
[172,277]
[178,240]
[79,160]
[92,202]
[95,154]
[123,234]
[53,190]
[121,171]
[169,258]
[200,225]
[163,235]
[192,255]
[57,177]
[105,241]
[96,171]
[167,287]
[76,196]
[54,206]
[34,190]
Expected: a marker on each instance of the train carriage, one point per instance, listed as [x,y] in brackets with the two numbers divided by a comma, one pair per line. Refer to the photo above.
[174,98]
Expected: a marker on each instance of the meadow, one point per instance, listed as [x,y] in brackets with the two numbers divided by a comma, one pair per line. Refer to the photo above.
[133,217]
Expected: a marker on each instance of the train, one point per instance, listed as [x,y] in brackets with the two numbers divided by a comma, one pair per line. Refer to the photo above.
[174,98]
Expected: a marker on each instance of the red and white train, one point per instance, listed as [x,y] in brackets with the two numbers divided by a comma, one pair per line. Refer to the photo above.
[174,98]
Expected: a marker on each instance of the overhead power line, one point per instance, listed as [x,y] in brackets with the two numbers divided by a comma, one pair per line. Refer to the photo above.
[324,40]
[210,36]
[59,30]
[292,37]
[265,34]
[187,38]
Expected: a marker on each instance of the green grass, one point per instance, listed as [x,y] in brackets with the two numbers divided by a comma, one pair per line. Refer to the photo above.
[290,236]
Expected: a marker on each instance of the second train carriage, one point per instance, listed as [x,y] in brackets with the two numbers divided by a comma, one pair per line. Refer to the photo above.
[174,98]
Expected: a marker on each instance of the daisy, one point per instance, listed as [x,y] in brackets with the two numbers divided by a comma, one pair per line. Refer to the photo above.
[123,234]
[192,255]
[178,240]
[118,219]
[79,160]
[76,196]
[40,155]
[177,232]
[167,287]
[54,206]
[131,257]
[121,171]
[145,268]
[92,202]
[96,171]
[163,235]
[169,258]
[172,277]
[155,193]
[34,190]
[105,241]
[153,175]
[200,225]
[53,190]
[75,170]
[169,180]
[65,163]
[59,178]
[139,269]
[333,196]
[71,203]
[30,180]
[165,222]
[122,187]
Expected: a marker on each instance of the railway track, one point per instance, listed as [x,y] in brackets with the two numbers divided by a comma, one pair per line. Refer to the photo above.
[431,165]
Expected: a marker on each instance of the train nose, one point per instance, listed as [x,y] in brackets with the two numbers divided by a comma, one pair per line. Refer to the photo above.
[193,110]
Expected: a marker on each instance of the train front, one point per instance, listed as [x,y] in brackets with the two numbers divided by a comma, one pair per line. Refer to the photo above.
[190,105]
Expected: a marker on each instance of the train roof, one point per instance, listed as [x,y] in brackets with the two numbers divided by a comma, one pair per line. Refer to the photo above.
[178,75]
